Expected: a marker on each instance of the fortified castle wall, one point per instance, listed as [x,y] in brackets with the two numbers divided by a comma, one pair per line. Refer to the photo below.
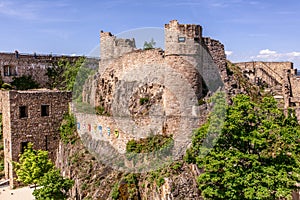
[171,82]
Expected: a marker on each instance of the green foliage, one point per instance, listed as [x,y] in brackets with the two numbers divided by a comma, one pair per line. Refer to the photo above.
[149,45]
[24,83]
[176,165]
[256,156]
[100,110]
[32,166]
[64,75]
[53,186]
[131,184]
[150,144]
[207,135]
[115,192]
[144,100]
[6,86]
[68,129]
[77,76]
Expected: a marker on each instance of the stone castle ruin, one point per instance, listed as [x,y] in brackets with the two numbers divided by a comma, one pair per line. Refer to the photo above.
[136,92]
[35,65]
[154,91]
[280,78]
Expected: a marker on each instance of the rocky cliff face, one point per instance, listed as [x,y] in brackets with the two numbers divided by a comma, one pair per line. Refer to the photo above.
[94,180]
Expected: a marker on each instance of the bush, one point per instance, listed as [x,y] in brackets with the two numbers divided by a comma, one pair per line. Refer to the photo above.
[24,83]
[144,100]
[68,129]
[115,192]
[150,144]
[6,86]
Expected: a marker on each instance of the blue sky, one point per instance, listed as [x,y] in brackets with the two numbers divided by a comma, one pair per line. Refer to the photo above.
[249,29]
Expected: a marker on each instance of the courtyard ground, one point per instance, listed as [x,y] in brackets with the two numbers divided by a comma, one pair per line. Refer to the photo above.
[24,193]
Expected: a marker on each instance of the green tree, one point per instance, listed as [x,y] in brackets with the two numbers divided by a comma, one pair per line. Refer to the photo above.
[68,129]
[256,156]
[32,166]
[24,83]
[149,45]
[64,75]
[55,72]
[77,76]
[53,186]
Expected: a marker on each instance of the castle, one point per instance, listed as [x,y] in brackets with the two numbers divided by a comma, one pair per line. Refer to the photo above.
[138,91]
[153,91]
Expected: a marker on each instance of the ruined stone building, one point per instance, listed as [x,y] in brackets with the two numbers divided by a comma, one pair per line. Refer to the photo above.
[152,91]
[31,116]
[17,65]
[279,77]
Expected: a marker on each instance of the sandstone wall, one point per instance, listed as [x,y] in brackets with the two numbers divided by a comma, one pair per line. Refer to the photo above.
[42,131]
[172,85]
[112,47]
[29,65]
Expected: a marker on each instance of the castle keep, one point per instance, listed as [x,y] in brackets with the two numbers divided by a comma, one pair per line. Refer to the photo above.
[153,91]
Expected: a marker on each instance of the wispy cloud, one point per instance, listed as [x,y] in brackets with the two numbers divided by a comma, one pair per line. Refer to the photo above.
[271,55]
[228,53]
[28,10]
[11,9]
[266,52]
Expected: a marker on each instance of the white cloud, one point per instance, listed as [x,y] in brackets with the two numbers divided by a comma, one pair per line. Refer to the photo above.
[269,55]
[31,10]
[228,53]
[294,54]
[267,52]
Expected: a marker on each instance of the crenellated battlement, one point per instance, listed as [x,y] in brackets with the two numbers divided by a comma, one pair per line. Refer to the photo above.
[189,30]
[113,47]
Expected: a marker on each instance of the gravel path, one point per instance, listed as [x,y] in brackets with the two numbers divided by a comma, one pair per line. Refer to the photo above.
[24,193]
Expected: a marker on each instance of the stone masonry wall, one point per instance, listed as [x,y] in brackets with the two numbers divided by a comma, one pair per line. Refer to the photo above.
[280,77]
[29,65]
[171,81]
[42,131]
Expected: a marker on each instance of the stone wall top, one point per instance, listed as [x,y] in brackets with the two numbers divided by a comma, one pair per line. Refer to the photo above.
[190,30]
[35,58]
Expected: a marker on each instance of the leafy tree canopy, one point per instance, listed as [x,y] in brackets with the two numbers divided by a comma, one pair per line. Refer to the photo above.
[255,157]
[24,83]
[149,45]
[36,168]
[64,75]
[54,186]
[33,164]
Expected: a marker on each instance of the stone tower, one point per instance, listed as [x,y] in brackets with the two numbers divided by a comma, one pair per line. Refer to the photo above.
[182,39]
[113,47]
[205,54]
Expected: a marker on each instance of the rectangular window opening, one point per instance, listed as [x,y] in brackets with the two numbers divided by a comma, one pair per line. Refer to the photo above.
[181,39]
[24,145]
[23,111]
[44,110]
